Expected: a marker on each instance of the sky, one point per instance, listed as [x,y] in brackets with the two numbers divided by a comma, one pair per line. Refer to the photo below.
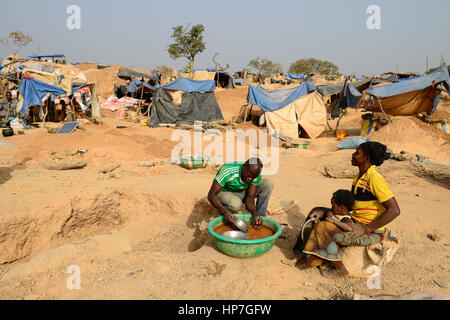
[137,33]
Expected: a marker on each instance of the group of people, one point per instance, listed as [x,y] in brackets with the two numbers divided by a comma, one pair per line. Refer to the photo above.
[357,217]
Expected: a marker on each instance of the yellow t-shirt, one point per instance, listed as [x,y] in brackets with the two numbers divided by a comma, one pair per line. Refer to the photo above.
[370,190]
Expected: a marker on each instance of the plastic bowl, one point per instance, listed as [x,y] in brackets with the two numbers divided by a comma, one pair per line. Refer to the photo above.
[193,160]
[244,248]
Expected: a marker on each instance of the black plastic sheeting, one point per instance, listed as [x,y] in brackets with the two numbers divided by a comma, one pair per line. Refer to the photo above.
[195,106]
[130,73]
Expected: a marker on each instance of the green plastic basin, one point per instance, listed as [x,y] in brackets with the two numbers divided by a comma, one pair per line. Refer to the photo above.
[244,248]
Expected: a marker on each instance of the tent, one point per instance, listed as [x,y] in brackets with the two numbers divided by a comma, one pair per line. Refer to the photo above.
[136,86]
[408,97]
[343,95]
[198,102]
[203,74]
[34,91]
[286,109]
[35,87]
[223,79]
[124,72]
[56,58]
[295,76]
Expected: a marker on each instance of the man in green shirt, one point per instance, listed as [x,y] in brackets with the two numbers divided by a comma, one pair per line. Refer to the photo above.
[238,182]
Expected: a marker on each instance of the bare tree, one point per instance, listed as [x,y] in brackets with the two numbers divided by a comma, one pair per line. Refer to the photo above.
[217,65]
[16,41]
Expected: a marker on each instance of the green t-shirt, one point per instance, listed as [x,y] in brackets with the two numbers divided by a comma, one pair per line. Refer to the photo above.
[229,176]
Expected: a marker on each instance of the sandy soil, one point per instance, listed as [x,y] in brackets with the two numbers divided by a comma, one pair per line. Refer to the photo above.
[141,232]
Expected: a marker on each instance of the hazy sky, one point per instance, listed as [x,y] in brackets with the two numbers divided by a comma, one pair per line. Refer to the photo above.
[136,33]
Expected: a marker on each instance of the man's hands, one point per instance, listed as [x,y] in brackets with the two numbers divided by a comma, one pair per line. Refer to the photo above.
[228,216]
[257,221]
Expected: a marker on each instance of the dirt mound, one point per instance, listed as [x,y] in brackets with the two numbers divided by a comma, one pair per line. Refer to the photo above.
[414,136]
[441,115]
[25,234]
[105,79]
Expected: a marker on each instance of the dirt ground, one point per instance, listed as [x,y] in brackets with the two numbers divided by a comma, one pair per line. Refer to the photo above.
[141,232]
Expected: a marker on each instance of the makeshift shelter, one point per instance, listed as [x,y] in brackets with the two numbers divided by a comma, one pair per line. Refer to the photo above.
[409,97]
[198,102]
[343,95]
[129,74]
[223,79]
[37,87]
[33,91]
[203,74]
[295,76]
[141,86]
[55,58]
[287,109]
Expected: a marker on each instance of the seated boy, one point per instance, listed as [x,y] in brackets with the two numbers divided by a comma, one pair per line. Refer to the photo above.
[341,204]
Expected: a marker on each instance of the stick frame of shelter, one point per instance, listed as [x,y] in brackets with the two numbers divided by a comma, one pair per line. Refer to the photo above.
[247,112]
[139,106]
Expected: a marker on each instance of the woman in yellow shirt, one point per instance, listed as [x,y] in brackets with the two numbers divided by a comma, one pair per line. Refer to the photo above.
[374,207]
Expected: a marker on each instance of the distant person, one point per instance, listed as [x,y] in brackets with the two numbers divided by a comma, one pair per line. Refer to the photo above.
[7,107]
[237,183]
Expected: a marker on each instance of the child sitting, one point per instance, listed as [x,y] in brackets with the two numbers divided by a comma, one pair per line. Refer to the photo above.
[341,204]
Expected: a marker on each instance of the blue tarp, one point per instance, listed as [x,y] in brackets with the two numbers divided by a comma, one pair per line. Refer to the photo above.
[271,100]
[419,83]
[136,85]
[295,76]
[46,56]
[188,85]
[406,79]
[33,91]
[352,95]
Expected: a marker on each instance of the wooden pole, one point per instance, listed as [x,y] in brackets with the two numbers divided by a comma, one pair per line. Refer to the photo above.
[142,93]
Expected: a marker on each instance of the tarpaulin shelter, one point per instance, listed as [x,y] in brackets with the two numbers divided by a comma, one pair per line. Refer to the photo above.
[286,109]
[223,79]
[34,91]
[295,76]
[136,86]
[36,86]
[198,102]
[409,97]
[343,95]
[203,74]
[57,58]
[124,72]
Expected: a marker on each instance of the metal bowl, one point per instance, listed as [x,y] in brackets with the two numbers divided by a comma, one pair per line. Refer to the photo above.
[240,224]
[238,235]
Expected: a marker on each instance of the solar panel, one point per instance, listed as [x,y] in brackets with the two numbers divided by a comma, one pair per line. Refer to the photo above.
[67,127]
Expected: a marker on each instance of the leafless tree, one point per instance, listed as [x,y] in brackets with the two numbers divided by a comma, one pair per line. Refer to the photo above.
[217,65]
